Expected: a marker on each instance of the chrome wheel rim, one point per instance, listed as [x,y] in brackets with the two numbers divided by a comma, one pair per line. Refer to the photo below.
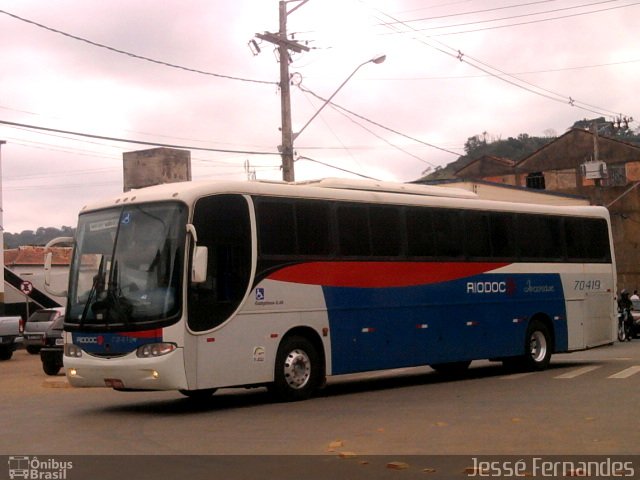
[297,369]
[538,346]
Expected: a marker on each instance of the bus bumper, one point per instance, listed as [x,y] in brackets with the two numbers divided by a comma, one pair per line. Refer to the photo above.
[128,372]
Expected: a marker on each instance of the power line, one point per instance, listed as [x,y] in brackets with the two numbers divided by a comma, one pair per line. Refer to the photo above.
[133,55]
[405,22]
[527,72]
[138,142]
[504,76]
[382,138]
[337,168]
[495,27]
[439,17]
[376,123]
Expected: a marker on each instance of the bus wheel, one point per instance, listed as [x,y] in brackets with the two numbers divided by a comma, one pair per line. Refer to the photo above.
[537,346]
[297,370]
[202,394]
[452,368]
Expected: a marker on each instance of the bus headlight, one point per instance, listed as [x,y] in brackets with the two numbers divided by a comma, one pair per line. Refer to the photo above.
[155,349]
[71,350]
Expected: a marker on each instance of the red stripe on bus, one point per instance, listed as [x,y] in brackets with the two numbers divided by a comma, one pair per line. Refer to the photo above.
[379,274]
[156,333]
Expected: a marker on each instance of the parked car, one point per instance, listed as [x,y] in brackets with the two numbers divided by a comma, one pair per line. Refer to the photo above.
[38,323]
[11,329]
[53,347]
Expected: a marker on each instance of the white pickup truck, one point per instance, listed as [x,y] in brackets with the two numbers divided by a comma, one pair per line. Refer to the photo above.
[11,329]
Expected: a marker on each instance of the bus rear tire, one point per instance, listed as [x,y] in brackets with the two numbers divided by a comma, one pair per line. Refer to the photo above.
[298,373]
[538,347]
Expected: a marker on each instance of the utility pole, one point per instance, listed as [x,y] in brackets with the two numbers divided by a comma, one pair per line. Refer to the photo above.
[288,173]
[284,45]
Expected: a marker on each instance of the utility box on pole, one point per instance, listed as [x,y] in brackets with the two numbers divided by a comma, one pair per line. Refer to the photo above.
[155,166]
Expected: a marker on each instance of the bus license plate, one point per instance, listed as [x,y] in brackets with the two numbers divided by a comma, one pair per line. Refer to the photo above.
[113,383]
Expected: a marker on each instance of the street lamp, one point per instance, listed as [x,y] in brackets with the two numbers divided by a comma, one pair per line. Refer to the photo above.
[377,60]
[288,173]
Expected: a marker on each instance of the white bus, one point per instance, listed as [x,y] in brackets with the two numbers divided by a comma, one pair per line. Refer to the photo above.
[202,285]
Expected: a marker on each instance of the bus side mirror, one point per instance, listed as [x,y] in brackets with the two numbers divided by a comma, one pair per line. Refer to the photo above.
[48,260]
[199,264]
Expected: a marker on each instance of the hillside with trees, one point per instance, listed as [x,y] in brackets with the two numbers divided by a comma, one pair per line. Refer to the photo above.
[524,145]
[39,237]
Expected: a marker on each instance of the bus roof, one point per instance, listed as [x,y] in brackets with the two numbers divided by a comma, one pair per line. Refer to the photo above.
[337,189]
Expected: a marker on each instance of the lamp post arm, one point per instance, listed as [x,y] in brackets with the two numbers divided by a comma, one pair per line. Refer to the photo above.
[295,135]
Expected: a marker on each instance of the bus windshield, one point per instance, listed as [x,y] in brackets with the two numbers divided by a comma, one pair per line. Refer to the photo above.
[127,268]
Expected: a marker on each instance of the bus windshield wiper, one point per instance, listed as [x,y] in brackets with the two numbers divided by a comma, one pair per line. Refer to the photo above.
[97,281]
[113,307]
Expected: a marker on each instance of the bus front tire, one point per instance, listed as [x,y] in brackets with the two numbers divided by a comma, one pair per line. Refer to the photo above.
[298,373]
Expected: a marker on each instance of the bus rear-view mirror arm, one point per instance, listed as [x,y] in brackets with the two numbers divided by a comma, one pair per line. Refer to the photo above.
[199,259]
[48,260]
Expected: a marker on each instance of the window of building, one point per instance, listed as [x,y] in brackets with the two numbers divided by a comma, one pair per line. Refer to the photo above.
[536,180]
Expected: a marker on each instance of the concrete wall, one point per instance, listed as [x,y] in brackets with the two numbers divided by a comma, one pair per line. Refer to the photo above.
[155,166]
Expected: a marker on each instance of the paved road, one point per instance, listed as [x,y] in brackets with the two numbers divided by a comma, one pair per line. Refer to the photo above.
[584,404]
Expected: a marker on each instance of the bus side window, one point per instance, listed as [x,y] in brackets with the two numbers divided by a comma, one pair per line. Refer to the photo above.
[222,224]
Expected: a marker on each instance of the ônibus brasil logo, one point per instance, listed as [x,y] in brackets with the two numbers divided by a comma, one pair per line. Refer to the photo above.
[38,469]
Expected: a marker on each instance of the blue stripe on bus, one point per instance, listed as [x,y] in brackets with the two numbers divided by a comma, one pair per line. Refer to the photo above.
[478,317]
[115,343]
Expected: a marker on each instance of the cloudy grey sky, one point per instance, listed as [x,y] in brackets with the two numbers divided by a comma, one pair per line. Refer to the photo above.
[454,69]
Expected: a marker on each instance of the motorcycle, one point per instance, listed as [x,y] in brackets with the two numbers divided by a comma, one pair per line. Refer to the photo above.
[625,324]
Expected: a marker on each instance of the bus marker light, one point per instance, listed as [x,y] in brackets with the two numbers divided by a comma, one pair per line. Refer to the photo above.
[325,331]
[368,330]
[211,339]
[274,335]
[422,326]
[472,324]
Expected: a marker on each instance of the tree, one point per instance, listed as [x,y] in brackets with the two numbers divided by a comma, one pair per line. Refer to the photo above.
[38,238]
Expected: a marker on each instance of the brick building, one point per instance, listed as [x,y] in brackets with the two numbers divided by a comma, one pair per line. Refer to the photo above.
[604,170]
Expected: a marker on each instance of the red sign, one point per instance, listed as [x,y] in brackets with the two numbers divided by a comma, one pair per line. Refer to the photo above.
[26,287]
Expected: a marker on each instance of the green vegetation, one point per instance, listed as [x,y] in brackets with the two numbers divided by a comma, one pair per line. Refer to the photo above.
[524,145]
[38,238]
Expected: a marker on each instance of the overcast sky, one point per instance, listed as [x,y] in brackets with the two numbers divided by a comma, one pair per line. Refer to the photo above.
[453,69]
